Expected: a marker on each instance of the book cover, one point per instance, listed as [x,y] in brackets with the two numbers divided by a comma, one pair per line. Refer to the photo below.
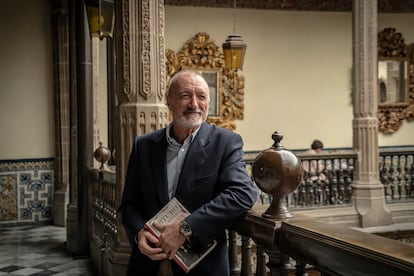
[192,251]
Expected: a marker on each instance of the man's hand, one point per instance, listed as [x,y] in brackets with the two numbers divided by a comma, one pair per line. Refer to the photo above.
[170,239]
[146,245]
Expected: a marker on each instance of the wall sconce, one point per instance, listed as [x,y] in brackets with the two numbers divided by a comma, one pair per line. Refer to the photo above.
[234,47]
[100,17]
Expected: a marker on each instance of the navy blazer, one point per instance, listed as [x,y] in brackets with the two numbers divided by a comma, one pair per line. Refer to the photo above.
[213,185]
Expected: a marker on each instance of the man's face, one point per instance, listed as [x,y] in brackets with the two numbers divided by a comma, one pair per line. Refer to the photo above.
[189,100]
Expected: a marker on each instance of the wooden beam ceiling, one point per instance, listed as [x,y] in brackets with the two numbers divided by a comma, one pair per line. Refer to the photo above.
[384,6]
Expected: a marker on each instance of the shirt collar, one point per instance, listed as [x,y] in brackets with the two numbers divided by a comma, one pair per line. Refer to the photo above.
[171,140]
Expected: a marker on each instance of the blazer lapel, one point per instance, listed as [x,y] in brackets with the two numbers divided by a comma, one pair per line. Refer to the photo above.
[159,167]
[195,158]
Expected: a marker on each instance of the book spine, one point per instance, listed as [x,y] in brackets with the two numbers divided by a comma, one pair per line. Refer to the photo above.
[149,229]
[181,264]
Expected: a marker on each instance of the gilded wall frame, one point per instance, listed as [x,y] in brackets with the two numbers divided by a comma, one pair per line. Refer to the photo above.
[201,53]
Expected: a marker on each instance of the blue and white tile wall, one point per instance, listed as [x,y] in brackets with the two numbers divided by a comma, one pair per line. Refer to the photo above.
[26,190]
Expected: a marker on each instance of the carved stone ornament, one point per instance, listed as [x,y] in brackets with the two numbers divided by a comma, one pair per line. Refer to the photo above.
[201,53]
[391,46]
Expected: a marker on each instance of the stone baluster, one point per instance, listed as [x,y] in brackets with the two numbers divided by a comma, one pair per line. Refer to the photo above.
[411,193]
[399,176]
[341,187]
[334,189]
[406,177]
[318,192]
[348,187]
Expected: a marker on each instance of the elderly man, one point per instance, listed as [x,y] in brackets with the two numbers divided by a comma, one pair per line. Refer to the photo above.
[199,164]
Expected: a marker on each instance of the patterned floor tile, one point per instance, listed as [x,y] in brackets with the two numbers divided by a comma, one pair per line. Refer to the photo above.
[11,268]
[38,251]
[44,273]
[27,271]
[32,256]
[46,265]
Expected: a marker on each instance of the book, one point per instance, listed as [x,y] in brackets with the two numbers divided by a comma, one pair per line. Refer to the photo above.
[192,251]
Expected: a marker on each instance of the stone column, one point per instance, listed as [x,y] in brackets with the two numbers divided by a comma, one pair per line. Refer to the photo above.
[61,80]
[99,97]
[140,88]
[368,192]
[81,147]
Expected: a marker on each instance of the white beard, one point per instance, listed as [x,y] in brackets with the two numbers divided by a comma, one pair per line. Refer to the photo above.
[189,123]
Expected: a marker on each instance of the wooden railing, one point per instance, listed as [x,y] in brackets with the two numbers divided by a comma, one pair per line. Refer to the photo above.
[330,249]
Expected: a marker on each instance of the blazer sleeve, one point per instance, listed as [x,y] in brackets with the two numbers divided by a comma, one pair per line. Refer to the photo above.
[235,192]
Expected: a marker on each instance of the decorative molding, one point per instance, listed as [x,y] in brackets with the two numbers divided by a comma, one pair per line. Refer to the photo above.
[124,45]
[26,190]
[26,164]
[390,117]
[145,40]
[384,6]
[202,53]
[161,53]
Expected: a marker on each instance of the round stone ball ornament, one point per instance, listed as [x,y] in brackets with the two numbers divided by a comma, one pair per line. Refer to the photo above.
[277,172]
[102,155]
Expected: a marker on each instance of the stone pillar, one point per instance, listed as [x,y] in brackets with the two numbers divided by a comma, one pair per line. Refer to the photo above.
[140,88]
[61,80]
[81,131]
[368,192]
[99,99]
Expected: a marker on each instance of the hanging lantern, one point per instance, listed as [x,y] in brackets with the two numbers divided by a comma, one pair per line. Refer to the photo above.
[234,49]
[100,17]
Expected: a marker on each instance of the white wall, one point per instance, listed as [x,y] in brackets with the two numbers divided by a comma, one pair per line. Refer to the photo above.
[295,61]
[26,80]
[297,68]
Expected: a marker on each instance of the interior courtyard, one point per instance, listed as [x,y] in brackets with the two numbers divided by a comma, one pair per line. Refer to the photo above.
[72,102]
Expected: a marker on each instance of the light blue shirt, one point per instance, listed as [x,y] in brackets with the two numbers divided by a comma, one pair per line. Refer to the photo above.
[176,154]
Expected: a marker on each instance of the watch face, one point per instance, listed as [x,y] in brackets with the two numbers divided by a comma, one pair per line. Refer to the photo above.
[185,228]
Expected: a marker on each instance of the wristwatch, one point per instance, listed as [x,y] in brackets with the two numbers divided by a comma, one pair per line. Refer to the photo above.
[185,229]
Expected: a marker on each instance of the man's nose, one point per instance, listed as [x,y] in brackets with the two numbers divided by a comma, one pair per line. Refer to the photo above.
[193,101]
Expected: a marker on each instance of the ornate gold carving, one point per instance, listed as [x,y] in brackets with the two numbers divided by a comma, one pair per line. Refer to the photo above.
[390,117]
[409,111]
[201,53]
[391,45]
